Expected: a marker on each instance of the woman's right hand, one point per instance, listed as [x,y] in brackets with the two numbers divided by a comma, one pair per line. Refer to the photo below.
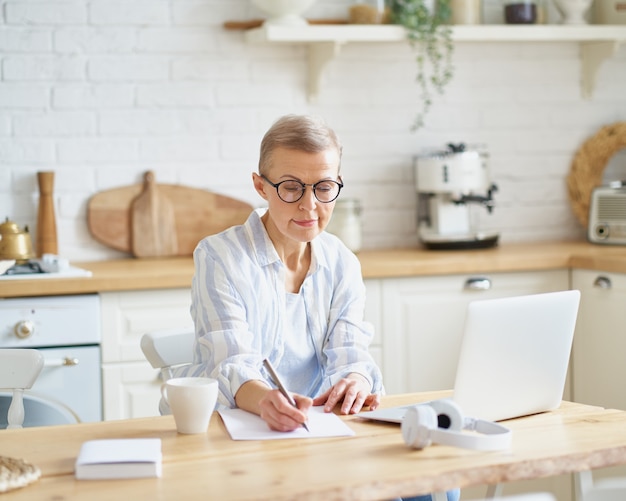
[280,415]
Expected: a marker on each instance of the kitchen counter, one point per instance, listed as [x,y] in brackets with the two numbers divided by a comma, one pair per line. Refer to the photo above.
[138,274]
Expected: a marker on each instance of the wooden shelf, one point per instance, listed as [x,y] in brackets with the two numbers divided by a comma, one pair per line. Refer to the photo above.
[597,42]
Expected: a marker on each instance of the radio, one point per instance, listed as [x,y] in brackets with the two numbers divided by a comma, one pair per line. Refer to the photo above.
[607,214]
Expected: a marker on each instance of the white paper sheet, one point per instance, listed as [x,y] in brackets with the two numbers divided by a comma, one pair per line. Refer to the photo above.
[243,425]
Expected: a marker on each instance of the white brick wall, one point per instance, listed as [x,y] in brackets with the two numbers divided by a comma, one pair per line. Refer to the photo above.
[100,91]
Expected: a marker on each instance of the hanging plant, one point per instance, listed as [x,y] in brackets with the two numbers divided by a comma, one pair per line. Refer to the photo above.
[430,36]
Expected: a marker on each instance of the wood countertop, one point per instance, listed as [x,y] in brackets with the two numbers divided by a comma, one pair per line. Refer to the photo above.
[138,274]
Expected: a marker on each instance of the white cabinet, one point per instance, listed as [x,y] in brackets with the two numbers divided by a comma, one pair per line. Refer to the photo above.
[599,354]
[599,361]
[423,321]
[131,387]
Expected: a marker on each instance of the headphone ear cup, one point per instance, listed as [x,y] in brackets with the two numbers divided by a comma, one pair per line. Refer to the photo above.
[449,415]
[417,423]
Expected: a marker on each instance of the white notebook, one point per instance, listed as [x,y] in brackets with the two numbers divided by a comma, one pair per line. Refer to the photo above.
[119,458]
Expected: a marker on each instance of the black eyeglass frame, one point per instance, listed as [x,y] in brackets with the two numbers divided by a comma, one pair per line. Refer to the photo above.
[304,185]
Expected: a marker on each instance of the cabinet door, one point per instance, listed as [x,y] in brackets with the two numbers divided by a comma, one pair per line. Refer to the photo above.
[599,354]
[423,321]
[131,387]
[128,315]
[131,390]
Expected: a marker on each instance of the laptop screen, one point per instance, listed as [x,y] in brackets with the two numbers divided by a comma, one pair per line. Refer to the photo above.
[515,354]
[514,357]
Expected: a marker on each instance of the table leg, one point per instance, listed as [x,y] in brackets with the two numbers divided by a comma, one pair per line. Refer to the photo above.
[583,481]
[493,491]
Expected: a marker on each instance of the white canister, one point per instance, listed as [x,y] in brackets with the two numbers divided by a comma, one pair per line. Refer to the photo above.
[465,11]
[346,223]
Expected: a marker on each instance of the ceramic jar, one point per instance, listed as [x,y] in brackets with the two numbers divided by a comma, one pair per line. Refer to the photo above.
[520,11]
[368,12]
[465,11]
[346,223]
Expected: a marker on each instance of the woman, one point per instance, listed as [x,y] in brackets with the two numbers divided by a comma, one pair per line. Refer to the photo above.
[280,287]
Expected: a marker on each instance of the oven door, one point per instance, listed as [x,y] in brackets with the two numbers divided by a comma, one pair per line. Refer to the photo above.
[68,389]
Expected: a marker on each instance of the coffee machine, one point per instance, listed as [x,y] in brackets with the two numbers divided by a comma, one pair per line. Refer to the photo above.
[450,184]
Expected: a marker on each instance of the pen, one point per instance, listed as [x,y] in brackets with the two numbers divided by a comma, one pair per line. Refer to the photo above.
[281,387]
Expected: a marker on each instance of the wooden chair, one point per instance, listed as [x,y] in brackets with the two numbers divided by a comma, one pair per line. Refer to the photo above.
[168,349]
[19,369]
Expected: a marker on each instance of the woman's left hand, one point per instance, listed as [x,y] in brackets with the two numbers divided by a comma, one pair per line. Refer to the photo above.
[353,390]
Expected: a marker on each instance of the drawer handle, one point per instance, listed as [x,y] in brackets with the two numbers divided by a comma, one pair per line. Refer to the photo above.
[61,362]
[602,282]
[477,284]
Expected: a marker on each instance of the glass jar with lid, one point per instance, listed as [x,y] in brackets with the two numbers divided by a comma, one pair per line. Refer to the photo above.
[520,11]
[346,223]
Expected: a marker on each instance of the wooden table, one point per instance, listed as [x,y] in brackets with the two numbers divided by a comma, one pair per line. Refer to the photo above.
[375,464]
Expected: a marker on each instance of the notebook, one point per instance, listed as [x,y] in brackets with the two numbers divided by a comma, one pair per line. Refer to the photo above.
[514,357]
[119,458]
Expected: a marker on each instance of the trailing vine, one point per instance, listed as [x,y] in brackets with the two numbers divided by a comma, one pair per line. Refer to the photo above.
[431,37]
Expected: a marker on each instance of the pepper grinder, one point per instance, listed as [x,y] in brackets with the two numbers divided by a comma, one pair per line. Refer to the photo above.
[46,222]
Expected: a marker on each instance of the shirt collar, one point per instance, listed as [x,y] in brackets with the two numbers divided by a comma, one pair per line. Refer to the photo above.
[265,250]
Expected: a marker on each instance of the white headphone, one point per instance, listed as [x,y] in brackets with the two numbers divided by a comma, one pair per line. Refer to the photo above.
[442,422]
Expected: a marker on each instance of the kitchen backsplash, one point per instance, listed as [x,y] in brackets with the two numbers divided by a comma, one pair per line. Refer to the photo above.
[99,91]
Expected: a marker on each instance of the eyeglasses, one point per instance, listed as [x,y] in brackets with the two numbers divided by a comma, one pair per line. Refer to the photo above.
[291,191]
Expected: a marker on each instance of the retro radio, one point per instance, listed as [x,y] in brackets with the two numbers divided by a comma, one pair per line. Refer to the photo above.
[607,214]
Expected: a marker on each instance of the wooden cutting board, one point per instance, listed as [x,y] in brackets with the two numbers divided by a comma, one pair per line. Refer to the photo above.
[152,222]
[196,214]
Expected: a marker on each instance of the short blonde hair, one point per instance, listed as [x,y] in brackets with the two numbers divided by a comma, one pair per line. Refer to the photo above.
[297,132]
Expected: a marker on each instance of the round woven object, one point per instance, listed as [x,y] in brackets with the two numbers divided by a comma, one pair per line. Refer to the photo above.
[589,164]
[15,473]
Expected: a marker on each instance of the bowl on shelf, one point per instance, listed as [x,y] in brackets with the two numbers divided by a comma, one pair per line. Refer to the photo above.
[284,12]
[573,11]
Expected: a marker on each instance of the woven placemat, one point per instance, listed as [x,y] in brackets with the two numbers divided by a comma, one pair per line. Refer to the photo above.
[588,166]
[15,473]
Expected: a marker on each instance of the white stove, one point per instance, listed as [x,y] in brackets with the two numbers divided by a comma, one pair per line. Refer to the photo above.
[66,330]
[49,266]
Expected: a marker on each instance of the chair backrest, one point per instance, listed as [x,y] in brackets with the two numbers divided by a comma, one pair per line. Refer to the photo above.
[19,369]
[168,348]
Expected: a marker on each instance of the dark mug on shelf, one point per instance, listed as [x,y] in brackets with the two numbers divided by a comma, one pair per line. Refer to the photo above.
[520,12]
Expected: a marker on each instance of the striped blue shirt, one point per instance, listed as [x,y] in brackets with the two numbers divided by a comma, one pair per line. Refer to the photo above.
[239,307]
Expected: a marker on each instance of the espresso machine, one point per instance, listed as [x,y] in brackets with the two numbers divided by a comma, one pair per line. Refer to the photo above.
[451,184]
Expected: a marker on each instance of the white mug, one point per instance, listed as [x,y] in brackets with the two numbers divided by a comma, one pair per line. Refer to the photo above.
[192,401]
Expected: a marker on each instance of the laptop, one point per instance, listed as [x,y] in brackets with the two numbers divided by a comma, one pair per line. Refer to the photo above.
[514,357]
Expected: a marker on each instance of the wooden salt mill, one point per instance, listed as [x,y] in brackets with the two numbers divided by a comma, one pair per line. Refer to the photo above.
[46,222]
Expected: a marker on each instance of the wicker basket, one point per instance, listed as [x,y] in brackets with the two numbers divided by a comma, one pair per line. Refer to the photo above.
[589,164]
